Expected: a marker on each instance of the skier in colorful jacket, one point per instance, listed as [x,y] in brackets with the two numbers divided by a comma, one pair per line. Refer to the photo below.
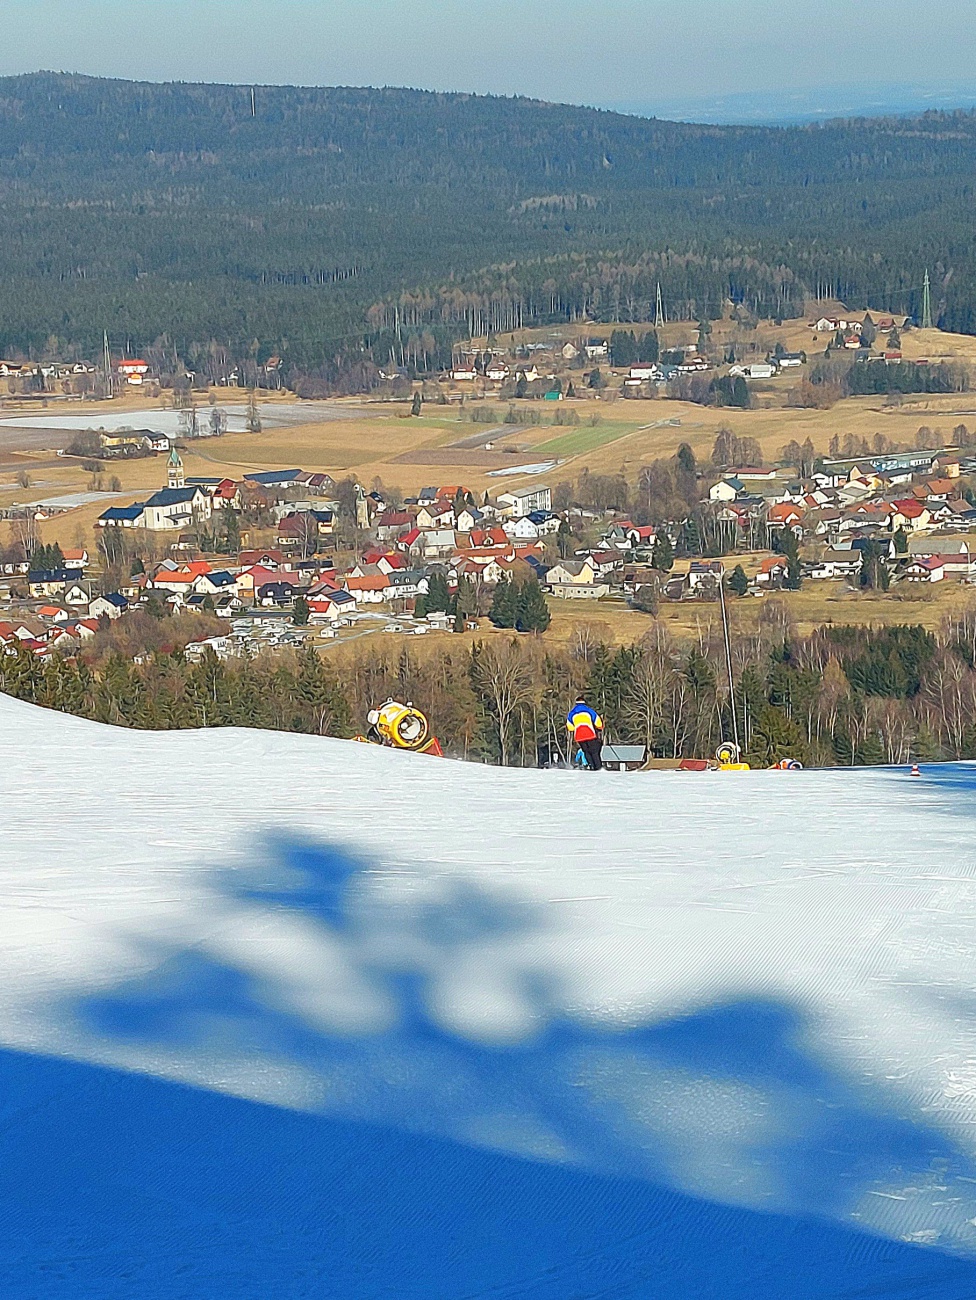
[586,727]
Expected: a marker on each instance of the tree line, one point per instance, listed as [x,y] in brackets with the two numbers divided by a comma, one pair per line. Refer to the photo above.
[837,696]
[342,228]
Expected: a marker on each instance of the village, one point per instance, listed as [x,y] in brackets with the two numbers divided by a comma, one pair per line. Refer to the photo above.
[287,555]
[284,556]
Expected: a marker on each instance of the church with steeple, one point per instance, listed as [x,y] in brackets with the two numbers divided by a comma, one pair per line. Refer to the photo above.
[175,478]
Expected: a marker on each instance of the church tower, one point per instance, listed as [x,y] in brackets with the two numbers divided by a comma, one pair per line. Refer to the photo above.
[175,477]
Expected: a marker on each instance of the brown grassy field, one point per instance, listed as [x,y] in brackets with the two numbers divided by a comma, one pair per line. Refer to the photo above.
[629,433]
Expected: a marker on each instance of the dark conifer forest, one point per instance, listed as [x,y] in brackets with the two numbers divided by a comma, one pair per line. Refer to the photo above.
[330,222]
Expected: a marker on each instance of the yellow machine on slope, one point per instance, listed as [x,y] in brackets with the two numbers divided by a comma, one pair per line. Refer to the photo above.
[728,756]
[401,726]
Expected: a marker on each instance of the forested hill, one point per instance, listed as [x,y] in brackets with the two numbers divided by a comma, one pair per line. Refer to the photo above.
[177,211]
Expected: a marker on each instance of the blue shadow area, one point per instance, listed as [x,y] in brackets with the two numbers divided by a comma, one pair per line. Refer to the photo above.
[123,1185]
[116,1186]
[957,778]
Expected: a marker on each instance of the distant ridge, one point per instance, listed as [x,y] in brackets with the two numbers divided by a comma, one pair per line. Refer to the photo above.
[173,210]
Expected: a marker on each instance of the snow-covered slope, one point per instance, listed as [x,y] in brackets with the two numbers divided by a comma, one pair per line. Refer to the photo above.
[660,1034]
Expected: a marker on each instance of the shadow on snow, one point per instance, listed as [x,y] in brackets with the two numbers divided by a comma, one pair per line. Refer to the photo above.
[712,1155]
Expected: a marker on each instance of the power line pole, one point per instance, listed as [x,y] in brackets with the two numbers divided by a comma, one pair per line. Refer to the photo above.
[659,312]
[107,365]
[926,302]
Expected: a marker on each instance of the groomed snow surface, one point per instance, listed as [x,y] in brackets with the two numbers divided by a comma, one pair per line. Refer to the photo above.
[287,1017]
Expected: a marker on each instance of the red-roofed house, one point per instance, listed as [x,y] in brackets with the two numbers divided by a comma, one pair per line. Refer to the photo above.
[484,537]
[371,589]
[392,523]
[929,569]
[772,571]
[491,570]
[909,514]
[331,605]
[324,586]
[226,493]
[270,559]
[251,579]
[182,578]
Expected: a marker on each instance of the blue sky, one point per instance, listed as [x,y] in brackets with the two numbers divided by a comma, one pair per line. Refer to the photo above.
[631,52]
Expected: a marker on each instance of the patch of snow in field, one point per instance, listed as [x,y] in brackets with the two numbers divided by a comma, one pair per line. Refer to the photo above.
[273,415]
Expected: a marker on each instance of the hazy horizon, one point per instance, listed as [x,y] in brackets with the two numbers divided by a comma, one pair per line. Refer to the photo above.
[756,58]
[771,107]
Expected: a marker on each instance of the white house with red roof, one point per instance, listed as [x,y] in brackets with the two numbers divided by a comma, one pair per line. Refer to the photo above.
[370,589]
[253,578]
[75,557]
[931,568]
[909,514]
[330,606]
[132,370]
[181,577]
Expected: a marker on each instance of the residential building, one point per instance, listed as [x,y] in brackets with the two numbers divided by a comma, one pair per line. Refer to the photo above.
[522,501]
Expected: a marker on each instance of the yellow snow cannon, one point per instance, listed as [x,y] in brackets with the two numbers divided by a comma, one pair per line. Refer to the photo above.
[401,726]
[728,756]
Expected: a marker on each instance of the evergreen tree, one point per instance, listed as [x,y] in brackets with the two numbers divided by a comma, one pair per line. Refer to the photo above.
[790,547]
[465,598]
[564,539]
[699,672]
[662,554]
[230,531]
[300,612]
[774,736]
[438,597]
[416,403]
[738,582]
[623,349]
[645,599]
[686,459]
[900,540]
[648,348]
[320,695]
[874,572]
[531,610]
[691,542]
[504,604]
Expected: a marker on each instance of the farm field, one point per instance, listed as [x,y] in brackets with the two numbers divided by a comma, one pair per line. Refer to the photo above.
[378,440]
[814,605]
[578,442]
